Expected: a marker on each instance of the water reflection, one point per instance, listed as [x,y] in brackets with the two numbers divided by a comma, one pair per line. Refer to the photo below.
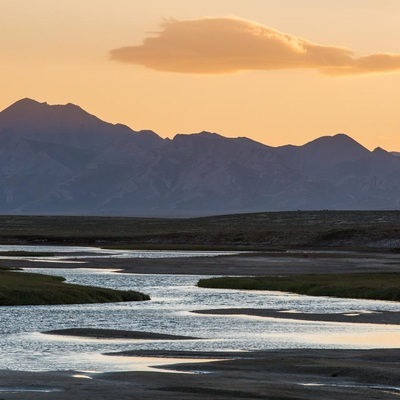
[376,338]
[173,297]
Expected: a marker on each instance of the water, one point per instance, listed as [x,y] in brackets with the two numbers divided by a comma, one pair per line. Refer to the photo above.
[78,252]
[23,347]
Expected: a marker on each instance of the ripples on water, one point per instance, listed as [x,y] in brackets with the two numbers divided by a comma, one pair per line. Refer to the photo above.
[22,347]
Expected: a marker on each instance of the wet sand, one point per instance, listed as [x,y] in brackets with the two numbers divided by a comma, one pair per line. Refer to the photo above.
[115,334]
[273,375]
[378,317]
[246,264]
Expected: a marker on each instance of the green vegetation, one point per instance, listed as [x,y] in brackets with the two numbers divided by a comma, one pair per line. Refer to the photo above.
[26,254]
[357,286]
[2,268]
[20,288]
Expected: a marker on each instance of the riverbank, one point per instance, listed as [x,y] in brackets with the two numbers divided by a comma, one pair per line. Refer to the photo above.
[375,286]
[293,262]
[277,375]
[370,317]
[115,334]
[21,288]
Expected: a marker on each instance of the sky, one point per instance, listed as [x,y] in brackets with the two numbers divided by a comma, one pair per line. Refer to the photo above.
[277,71]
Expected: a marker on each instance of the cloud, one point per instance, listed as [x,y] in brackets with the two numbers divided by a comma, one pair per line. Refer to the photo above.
[228,45]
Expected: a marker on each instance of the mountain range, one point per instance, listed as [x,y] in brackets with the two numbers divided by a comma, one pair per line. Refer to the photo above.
[61,160]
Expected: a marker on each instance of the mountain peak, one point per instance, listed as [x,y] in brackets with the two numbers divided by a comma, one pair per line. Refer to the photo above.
[340,144]
[381,152]
[27,112]
[198,135]
[324,152]
[29,108]
[342,136]
[23,105]
[59,159]
[26,101]
[71,106]
[65,124]
[339,138]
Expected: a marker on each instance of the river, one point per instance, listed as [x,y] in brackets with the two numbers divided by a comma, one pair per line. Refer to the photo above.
[173,297]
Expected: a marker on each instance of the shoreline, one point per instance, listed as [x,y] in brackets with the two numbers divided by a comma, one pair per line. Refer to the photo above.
[324,374]
[244,264]
[92,333]
[276,374]
[377,317]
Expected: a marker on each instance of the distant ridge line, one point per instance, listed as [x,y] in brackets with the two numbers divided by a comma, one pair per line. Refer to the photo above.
[61,160]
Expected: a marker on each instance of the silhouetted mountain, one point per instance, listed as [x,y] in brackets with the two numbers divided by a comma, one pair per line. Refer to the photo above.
[62,160]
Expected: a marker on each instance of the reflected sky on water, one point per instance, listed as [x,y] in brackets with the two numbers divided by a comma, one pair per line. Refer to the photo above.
[23,347]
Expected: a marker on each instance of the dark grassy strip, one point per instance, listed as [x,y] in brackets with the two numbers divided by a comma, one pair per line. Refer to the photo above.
[189,247]
[357,286]
[255,231]
[26,254]
[20,288]
[116,334]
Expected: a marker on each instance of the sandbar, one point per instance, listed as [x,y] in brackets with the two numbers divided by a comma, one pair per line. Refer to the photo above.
[273,375]
[115,334]
[376,317]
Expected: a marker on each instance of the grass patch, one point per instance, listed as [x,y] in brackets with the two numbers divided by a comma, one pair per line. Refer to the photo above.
[20,288]
[189,247]
[357,286]
[26,254]
[10,268]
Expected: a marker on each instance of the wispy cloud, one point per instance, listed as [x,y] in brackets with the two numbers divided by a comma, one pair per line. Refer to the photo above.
[228,45]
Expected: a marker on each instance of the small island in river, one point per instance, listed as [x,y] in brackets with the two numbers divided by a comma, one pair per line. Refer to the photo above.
[341,250]
[21,288]
[373,286]
[94,333]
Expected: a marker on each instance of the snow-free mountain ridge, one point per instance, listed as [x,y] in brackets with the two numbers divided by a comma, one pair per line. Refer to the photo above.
[62,160]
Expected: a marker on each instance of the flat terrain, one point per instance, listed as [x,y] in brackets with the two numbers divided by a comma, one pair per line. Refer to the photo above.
[287,244]
[269,375]
[21,288]
[262,231]
[355,286]
[378,317]
[249,264]
[115,334]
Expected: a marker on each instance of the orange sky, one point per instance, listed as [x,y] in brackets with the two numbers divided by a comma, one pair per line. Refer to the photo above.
[278,71]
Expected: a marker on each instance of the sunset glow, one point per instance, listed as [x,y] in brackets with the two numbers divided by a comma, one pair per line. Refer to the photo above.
[276,71]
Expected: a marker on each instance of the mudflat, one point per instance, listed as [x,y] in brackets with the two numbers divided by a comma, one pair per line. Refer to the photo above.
[377,317]
[257,263]
[317,242]
[276,375]
[115,334]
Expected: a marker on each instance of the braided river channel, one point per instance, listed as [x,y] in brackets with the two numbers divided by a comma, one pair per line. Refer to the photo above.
[23,346]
